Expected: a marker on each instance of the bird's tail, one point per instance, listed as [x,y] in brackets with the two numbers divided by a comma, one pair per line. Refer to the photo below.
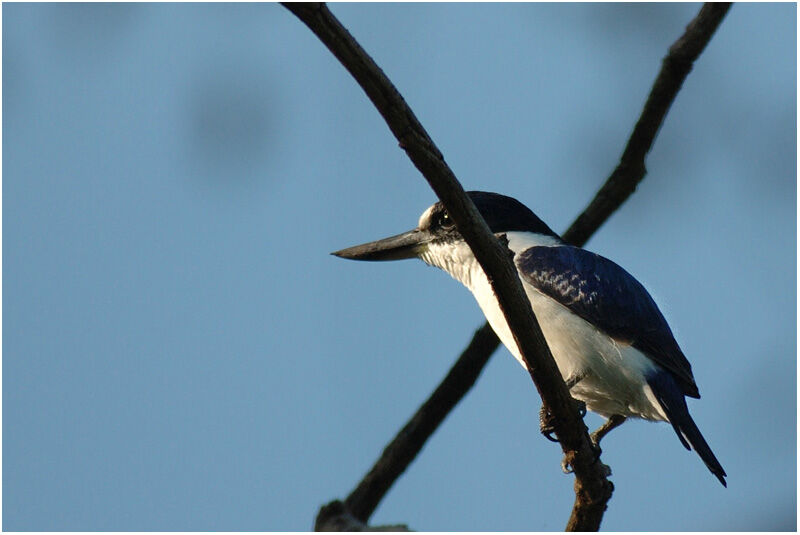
[672,400]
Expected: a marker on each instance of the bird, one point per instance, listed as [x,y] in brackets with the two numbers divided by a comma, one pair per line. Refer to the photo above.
[613,347]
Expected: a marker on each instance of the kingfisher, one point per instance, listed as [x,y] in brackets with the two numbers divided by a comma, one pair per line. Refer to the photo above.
[613,347]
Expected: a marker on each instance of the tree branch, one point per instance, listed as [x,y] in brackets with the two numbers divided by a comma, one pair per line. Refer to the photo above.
[409,441]
[403,449]
[591,487]
[631,169]
[336,517]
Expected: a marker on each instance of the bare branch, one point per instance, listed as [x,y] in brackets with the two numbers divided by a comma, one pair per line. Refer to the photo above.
[409,441]
[336,517]
[592,486]
[353,514]
[588,510]
[631,169]
[616,191]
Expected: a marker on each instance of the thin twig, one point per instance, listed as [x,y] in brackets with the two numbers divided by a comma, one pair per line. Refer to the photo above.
[403,449]
[631,169]
[409,441]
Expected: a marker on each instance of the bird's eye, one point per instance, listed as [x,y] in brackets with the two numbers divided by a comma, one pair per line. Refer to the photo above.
[445,221]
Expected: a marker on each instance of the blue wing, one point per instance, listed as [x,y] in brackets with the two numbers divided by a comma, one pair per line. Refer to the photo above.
[607,296]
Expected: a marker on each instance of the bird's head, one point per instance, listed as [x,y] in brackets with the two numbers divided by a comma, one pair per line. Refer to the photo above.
[502,214]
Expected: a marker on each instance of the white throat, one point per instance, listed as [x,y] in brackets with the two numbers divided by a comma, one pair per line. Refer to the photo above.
[457,259]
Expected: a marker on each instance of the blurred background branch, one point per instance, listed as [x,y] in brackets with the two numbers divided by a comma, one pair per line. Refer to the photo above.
[631,169]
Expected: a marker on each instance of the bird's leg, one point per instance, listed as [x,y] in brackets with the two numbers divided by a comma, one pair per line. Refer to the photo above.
[546,426]
[614,421]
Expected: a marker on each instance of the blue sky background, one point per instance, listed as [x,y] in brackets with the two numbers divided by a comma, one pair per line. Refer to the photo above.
[180,351]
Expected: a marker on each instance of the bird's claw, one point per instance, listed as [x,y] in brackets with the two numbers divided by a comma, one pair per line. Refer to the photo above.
[547,424]
[613,421]
[565,466]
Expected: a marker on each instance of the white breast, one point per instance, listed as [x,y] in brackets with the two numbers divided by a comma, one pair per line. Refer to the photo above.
[614,373]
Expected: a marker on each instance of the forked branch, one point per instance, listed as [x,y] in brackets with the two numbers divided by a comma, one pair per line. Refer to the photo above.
[591,487]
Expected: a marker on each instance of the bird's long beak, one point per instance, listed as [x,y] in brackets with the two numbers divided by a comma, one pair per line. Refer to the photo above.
[406,245]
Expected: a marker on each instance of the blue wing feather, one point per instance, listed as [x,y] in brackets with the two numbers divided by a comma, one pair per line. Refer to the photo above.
[607,296]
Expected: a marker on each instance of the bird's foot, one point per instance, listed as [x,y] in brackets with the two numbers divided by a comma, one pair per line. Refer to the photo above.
[547,421]
[566,465]
[546,424]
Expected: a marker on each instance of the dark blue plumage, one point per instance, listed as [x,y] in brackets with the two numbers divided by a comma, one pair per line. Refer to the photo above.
[505,214]
[608,297]
[673,402]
